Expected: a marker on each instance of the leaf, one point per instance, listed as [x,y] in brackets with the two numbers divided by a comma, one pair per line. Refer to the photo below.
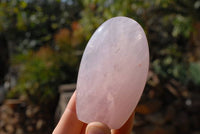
[194,71]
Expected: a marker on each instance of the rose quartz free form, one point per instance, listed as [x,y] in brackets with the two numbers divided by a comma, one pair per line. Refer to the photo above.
[112,73]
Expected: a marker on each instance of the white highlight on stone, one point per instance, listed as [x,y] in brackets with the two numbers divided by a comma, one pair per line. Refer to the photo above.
[112,73]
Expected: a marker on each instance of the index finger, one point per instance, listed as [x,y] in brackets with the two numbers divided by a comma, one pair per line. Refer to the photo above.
[127,127]
[69,122]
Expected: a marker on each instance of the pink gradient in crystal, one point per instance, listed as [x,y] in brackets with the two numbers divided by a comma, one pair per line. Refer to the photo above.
[112,73]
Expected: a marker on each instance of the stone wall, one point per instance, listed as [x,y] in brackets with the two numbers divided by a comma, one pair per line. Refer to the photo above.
[66,92]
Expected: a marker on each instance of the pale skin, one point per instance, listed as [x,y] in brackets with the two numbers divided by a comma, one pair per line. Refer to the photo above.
[69,123]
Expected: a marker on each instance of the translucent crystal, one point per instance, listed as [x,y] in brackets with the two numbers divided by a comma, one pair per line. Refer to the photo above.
[112,73]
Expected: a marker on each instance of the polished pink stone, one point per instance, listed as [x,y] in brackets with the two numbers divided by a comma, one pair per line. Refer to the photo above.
[112,73]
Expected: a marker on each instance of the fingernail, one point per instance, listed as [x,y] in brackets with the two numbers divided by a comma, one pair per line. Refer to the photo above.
[97,128]
[96,131]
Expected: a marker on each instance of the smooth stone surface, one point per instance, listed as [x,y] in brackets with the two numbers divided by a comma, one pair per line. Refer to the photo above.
[112,73]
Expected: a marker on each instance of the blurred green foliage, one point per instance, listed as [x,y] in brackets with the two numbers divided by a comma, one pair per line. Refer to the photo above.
[45,54]
[61,28]
[38,80]
[32,23]
[42,71]
[194,70]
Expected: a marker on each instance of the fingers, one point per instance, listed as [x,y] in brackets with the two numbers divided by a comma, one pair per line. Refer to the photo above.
[69,123]
[100,128]
[127,127]
[84,128]
[97,128]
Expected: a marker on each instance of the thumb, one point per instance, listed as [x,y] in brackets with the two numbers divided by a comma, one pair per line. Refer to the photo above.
[97,128]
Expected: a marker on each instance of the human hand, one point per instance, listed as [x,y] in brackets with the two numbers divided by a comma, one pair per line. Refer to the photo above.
[69,123]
